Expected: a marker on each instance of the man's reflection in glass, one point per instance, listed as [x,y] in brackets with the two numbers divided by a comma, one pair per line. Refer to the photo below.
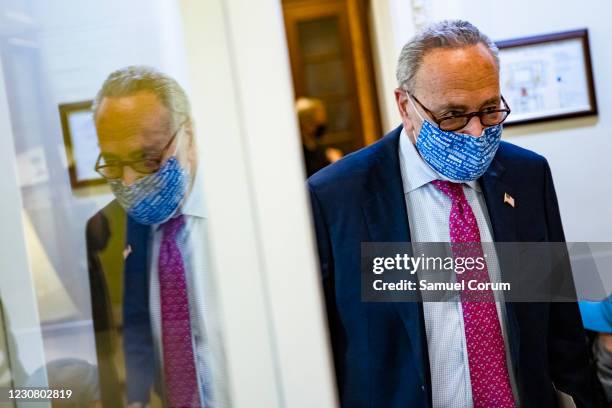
[149,158]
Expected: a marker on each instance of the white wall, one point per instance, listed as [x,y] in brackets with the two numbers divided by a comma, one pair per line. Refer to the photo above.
[578,150]
[391,26]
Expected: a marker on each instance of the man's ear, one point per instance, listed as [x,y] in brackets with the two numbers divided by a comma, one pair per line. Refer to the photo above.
[403,106]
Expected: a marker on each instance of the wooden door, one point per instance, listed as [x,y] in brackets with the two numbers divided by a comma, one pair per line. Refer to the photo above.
[331,60]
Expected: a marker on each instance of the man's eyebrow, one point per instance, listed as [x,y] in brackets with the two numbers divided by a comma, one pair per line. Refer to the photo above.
[144,152]
[459,107]
[452,106]
[109,156]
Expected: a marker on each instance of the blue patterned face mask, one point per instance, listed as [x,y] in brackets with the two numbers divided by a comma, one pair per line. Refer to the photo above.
[456,156]
[155,198]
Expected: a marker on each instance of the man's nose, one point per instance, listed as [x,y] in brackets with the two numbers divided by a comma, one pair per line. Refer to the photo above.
[473,127]
[129,176]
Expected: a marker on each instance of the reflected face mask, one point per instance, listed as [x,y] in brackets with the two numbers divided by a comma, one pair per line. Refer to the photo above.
[156,197]
[456,156]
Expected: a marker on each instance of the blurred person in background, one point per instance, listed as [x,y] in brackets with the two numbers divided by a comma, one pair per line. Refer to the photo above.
[149,158]
[313,125]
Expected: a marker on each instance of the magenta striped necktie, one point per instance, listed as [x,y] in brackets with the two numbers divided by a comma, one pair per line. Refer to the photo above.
[485,345]
[179,363]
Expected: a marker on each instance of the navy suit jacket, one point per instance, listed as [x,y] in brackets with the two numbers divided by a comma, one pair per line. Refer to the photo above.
[380,349]
[139,356]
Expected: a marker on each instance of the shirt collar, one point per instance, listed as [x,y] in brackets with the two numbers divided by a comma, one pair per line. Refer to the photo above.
[415,171]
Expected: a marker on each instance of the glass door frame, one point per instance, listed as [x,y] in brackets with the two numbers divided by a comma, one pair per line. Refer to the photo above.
[262,245]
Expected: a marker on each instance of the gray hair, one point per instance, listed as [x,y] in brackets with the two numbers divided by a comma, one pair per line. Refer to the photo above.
[137,78]
[443,34]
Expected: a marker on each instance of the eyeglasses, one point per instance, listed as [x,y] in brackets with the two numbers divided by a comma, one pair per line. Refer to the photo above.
[488,117]
[148,165]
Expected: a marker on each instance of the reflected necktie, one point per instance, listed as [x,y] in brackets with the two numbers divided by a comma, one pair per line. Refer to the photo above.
[179,363]
[485,344]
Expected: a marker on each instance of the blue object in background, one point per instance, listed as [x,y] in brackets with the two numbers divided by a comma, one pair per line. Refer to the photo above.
[597,316]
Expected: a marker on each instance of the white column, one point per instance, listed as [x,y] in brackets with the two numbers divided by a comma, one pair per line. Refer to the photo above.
[261,240]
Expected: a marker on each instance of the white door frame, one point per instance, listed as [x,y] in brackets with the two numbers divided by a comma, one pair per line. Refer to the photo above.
[261,240]
[17,288]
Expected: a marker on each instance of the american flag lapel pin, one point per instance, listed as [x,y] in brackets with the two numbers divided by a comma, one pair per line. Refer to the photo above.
[127,251]
[509,200]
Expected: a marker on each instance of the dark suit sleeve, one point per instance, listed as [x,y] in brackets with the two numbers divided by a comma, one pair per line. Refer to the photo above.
[327,266]
[568,357]
[97,236]
[322,235]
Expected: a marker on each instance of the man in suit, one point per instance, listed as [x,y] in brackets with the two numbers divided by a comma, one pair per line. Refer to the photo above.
[444,176]
[149,158]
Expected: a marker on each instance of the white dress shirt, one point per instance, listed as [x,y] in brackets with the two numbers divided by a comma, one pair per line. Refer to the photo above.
[205,328]
[428,215]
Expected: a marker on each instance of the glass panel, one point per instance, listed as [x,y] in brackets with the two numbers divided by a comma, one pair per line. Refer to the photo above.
[124,302]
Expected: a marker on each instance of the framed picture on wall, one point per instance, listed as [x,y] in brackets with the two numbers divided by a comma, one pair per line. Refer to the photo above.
[81,143]
[547,77]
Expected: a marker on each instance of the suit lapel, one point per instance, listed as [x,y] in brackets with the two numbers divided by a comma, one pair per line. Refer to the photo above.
[502,215]
[387,220]
[504,224]
[135,274]
[386,217]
